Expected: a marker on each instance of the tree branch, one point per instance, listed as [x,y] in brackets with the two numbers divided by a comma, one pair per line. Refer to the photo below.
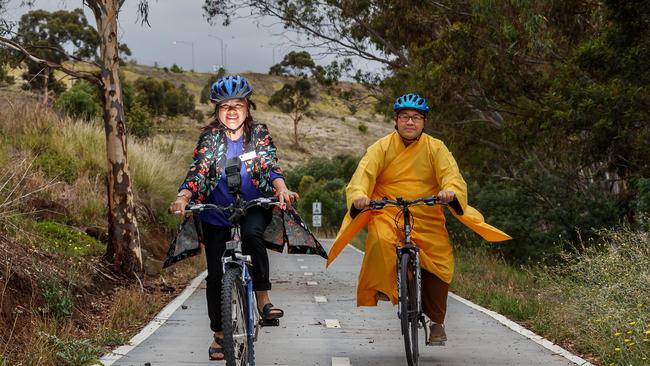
[52,65]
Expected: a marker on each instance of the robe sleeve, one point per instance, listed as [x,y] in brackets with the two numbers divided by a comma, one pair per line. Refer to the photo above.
[447,173]
[364,178]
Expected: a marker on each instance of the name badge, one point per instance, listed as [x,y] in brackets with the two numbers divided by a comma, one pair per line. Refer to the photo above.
[248,156]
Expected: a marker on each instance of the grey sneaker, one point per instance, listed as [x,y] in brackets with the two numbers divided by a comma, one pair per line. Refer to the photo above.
[437,335]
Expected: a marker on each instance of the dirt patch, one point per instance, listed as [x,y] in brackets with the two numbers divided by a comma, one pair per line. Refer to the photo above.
[26,274]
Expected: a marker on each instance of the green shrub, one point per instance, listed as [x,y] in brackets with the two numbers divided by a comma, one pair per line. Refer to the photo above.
[175,68]
[138,121]
[362,127]
[58,298]
[57,165]
[79,102]
[72,352]
[59,238]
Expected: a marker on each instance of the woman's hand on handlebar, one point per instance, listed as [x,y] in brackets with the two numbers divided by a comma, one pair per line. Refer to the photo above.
[288,197]
[178,206]
[445,196]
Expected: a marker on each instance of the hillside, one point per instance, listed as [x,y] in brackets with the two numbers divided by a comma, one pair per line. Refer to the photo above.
[330,129]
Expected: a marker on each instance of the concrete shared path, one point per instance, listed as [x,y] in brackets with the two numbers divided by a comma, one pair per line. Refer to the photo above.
[323,326]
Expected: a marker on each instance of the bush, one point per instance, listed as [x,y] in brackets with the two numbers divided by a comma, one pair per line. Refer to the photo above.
[72,352]
[138,121]
[362,127]
[62,239]
[58,298]
[175,68]
[79,102]
[58,166]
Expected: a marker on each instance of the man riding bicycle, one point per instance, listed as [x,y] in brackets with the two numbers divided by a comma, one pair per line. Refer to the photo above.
[410,164]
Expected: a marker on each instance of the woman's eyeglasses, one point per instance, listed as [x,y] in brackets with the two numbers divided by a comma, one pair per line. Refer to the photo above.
[226,107]
[406,117]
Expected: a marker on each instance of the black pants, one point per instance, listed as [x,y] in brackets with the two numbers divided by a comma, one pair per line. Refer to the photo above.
[252,235]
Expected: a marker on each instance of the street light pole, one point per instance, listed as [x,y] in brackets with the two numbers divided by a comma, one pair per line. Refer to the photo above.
[221,49]
[191,44]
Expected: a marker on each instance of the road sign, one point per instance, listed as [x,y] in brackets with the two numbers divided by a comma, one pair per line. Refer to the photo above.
[316,208]
[316,220]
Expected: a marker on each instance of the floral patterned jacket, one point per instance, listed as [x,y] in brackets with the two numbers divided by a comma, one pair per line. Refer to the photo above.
[286,227]
[210,158]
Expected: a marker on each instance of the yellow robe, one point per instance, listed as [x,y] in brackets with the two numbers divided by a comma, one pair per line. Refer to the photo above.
[390,169]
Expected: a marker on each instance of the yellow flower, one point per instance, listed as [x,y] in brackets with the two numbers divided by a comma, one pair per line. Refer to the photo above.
[617,334]
[629,332]
[617,349]
[626,340]
[647,332]
[640,305]
[631,344]
[632,324]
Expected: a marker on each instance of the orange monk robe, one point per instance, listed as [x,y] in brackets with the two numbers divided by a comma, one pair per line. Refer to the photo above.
[390,169]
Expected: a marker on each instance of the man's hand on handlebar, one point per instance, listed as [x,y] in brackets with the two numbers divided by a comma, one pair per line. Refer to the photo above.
[446,196]
[361,202]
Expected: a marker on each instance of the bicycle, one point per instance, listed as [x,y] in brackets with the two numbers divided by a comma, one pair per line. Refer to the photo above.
[409,275]
[240,316]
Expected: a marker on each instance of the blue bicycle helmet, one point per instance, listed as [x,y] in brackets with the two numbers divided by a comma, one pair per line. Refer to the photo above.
[411,101]
[230,87]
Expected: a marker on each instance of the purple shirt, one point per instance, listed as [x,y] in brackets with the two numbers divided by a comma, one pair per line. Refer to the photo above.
[222,197]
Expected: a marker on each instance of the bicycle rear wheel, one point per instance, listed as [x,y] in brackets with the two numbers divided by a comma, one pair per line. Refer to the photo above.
[237,347]
[409,309]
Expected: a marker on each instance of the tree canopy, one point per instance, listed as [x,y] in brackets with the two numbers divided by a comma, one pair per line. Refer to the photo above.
[545,104]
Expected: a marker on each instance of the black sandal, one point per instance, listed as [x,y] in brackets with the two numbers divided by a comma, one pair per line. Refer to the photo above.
[216,350]
[270,312]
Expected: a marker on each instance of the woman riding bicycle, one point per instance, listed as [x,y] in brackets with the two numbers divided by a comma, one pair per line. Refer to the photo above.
[410,164]
[234,133]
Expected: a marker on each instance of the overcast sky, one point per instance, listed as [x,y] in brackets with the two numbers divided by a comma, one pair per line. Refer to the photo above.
[177,26]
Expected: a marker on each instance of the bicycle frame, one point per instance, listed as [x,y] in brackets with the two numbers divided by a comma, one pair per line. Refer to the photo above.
[414,251]
[244,262]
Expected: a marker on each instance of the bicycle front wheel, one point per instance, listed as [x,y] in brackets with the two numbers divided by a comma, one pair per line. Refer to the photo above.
[237,347]
[409,308]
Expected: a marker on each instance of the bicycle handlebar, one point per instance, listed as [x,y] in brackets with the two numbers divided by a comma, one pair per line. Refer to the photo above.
[429,201]
[234,209]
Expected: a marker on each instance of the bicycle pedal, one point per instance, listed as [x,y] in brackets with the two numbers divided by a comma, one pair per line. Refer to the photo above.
[269,322]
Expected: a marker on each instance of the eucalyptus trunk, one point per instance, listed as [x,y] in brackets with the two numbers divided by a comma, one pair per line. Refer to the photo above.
[123,238]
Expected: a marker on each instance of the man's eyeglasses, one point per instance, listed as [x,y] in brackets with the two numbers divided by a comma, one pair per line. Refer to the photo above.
[226,107]
[406,117]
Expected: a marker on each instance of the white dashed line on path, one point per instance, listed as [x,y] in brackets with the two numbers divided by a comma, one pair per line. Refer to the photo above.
[332,323]
[341,361]
[320,298]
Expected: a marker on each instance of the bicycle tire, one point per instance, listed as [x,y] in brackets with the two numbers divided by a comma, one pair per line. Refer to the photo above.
[408,309]
[237,347]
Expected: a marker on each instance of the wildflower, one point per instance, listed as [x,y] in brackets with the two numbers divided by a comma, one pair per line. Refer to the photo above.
[631,344]
[626,340]
[617,334]
[632,324]
[647,332]
[640,305]
[629,332]
[617,349]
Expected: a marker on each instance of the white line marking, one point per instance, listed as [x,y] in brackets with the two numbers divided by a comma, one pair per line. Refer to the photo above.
[312,283]
[308,274]
[300,259]
[320,298]
[341,361]
[332,323]
[304,267]
[516,328]
[159,320]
